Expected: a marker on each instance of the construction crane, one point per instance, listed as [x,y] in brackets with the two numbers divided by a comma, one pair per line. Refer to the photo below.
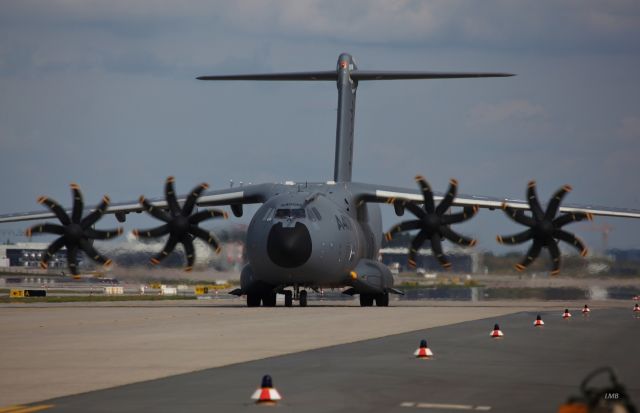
[604,229]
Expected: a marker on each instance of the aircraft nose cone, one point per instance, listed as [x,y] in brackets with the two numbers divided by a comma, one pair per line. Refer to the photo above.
[289,247]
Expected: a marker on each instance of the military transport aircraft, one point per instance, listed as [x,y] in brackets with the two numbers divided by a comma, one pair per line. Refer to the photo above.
[319,235]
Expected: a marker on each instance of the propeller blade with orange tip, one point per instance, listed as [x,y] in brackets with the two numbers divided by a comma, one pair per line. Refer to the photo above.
[433,222]
[544,228]
[75,232]
[181,223]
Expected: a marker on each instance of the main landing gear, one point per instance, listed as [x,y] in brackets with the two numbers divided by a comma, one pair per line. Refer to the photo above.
[381,300]
[267,297]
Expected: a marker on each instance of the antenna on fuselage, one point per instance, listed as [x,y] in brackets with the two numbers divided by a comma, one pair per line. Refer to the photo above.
[347,75]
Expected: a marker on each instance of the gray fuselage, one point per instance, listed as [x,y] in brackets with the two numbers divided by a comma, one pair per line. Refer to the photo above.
[311,235]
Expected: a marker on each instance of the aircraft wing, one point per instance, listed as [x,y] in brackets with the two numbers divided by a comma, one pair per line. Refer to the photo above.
[391,194]
[247,194]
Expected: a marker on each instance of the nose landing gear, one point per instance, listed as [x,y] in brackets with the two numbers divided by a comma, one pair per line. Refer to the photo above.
[301,296]
[267,297]
[288,298]
[381,300]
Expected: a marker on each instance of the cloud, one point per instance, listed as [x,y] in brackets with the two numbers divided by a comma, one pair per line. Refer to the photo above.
[617,17]
[629,129]
[506,111]
[358,20]
[516,25]
[622,156]
[165,37]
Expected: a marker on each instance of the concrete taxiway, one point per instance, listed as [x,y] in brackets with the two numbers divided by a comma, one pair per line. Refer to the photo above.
[50,350]
[529,370]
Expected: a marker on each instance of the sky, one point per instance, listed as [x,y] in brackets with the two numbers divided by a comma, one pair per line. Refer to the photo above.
[104,94]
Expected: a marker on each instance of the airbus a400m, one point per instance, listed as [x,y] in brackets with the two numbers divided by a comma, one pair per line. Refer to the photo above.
[318,235]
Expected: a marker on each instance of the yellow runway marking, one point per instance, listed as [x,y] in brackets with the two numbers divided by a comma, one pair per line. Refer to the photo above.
[25,409]
[8,409]
[31,409]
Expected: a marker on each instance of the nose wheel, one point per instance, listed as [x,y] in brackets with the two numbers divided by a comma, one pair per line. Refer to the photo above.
[303,298]
[288,298]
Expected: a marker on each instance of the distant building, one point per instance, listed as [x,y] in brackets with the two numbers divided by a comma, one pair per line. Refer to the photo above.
[461,260]
[632,255]
[29,255]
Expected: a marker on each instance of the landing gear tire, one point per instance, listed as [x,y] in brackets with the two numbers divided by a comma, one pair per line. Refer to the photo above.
[288,298]
[382,300]
[253,300]
[269,299]
[303,298]
[366,300]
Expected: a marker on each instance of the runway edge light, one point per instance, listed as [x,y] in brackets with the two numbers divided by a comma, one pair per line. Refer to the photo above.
[496,333]
[586,310]
[538,322]
[423,352]
[266,394]
[566,315]
[636,308]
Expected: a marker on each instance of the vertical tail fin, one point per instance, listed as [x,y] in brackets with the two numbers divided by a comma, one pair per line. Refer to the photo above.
[347,77]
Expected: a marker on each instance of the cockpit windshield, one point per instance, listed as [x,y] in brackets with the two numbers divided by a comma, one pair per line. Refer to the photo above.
[293,213]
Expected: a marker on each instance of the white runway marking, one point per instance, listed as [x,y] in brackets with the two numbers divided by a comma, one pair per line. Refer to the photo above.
[445,406]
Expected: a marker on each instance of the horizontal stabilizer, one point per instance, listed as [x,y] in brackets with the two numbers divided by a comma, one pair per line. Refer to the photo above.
[394,75]
[324,75]
[355,75]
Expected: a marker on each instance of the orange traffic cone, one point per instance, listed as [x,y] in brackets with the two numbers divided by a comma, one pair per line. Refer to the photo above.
[496,333]
[538,322]
[586,310]
[266,394]
[566,315]
[423,352]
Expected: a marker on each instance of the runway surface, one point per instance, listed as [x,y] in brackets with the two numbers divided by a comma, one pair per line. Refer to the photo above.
[53,350]
[530,370]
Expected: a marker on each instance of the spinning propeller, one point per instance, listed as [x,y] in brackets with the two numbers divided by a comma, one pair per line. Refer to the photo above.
[544,228]
[434,223]
[75,231]
[180,223]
